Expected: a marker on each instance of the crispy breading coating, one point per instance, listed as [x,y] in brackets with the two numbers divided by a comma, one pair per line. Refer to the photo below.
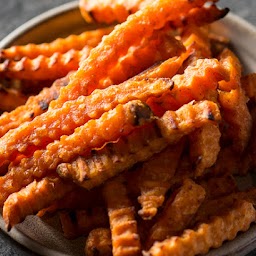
[77,223]
[178,211]
[93,170]
[89,38]
[55,123]
[118,122]
[153,179]
[117,43]
[123,225]
[34,106]
[34,197]
[207,235]
[44,68]
[98,243]
[204,147]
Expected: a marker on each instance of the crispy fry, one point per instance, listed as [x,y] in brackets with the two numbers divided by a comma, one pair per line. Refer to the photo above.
[44,68]
[55,123]
[99,243]
[80,222]
[123,226]
[208,235]
[34,106]
[179,210]
[248,84]
[34,197]
[61,45]
[105,55]
[153,179]
[114,158]
[204,147]
[110,126]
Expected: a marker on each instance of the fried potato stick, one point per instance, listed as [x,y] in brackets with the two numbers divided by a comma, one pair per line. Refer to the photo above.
[34,106]
[248,83]
[118,122]
[208,235]
[117,43]
[204,147]
[77,223]
[178,211]
[34,197]
[153,179]
[44,68]
[89,38]
[55,123]
[123,225]
[99,243]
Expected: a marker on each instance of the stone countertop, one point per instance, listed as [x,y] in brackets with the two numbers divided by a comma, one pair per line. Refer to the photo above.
[14,13]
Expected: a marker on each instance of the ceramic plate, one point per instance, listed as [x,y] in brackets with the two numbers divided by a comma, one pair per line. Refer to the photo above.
[44,237]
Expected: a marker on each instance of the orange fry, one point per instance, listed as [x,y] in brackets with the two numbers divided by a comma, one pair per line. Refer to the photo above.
[178,211]
[207,235]
[117,43]
[44,68]
[34,197]
[123,226]
[55,123]
[99,243]
[249,85]
[110,126]
[89,38]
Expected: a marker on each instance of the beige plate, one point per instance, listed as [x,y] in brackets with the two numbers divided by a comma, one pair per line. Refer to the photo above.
[44,237]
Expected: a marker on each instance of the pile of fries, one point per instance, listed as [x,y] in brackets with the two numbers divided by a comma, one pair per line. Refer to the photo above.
[134,134]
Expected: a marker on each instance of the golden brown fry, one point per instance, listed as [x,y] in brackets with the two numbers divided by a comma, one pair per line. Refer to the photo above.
[144,23]
[123,226]
[153,179]
[99,243]
[44,68]
[76,223]
[89,38]
[178,211]
[114,158]
[34,106]
[204,147]
[34,197]
[248,83]
[207,235]
[110,126]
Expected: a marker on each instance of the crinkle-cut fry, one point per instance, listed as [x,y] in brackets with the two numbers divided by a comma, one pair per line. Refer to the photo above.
[34,197]
[248,83]
[89,38]
[99,243]
[44,68]
[113,124]
[233,66]
[97,66]
[238,119]
[176,124]
[178,211]
[153,179]
[34,106]
[121,212]
[77,223]
[204,147]
[93,170]
[208,235]
[197,83]
[63,121]
[11,99]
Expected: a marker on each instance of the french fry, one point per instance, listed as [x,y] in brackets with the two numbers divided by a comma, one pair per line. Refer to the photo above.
[208,235]
[178,211]
[123,226]
[248,84]
[99,243]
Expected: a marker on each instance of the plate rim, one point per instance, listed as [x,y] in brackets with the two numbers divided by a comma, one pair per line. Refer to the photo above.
[23,238]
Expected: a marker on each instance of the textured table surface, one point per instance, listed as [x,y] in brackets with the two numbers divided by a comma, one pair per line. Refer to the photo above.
[13,13]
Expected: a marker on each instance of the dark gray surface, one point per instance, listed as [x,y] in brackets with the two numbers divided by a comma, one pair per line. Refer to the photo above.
[13,13]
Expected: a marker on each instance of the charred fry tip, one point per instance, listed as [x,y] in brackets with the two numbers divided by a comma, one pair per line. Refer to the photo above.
[141,113]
